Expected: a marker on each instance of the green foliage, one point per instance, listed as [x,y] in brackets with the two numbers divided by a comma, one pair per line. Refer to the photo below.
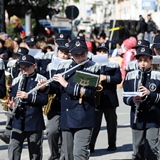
[76,1]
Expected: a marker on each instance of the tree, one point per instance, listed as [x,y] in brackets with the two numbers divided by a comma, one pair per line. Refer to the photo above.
[39,9]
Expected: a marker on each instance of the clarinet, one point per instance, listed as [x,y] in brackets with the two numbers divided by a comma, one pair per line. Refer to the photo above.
[140,83]
[17,100]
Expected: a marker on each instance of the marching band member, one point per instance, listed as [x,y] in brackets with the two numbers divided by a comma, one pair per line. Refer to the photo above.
[145,111]
[132,65]
[13,68]
[107,100]
[77,103]
[28,121]
[53,115]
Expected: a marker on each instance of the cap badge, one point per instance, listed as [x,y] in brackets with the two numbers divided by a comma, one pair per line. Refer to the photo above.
[103,44]
[143,50]
[78,43]
[67,44]
[32,39]
[61,36]
[24,58]
[139,42]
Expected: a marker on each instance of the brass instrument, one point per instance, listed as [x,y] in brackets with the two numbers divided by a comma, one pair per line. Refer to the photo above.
[8,90]
[100,87]
[47,107]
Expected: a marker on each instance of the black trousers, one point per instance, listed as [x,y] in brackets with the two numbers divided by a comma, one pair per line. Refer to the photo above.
[146,144]
[111,124]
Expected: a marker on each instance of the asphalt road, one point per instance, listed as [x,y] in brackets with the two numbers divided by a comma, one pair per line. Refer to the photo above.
[124,141]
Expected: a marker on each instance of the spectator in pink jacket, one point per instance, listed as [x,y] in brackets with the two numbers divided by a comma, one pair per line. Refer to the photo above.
[128,54]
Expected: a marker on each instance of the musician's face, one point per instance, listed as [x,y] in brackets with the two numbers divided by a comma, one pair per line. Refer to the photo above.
[80,57]
[62,54]
[157,51]
[144,62]
[27,70]
[102,51]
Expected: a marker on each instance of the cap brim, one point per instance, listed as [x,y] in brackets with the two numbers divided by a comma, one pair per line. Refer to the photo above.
[135,47]
[143,54]
[102,48]
[63,48]
[25,64]
[78,49]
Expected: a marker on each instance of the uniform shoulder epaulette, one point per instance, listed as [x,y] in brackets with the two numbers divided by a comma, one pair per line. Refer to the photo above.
[64,64]
[40,77]
[48,55]
[132,65]
[113,64]
[92,66]
[155,75]
[132,75]
[11,63]
[16,80]
[49,67]
[2,66]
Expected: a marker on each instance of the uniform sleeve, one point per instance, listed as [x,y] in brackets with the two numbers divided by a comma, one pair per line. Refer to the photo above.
[74,89]
[113,75]
[154,97]
[38,99]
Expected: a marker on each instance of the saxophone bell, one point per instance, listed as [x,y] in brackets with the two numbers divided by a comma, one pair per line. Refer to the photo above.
[4,100]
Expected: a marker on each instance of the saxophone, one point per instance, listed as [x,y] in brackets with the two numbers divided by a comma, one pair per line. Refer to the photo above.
[8,90]
[47,107]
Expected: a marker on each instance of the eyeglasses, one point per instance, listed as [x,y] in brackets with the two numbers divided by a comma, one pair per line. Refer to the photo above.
[24,69]
[79,55]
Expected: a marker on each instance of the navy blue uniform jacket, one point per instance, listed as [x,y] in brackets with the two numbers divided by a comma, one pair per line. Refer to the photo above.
[108,97]
[73,114]
[149,109]
[29,116]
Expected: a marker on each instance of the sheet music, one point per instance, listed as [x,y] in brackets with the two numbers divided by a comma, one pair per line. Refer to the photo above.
[132,94]
[36,53]
[100,59]
[3,112]
[156,60]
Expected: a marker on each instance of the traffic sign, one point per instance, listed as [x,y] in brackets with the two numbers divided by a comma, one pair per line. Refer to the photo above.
[72,12]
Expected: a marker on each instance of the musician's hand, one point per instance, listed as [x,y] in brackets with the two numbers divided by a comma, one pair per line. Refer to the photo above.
[137,99]
[22,95]
[40,82]
[145,91]
[102,78]
[10,102]
[60,79]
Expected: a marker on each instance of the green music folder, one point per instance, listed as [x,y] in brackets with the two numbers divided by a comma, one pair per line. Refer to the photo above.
[86,79]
